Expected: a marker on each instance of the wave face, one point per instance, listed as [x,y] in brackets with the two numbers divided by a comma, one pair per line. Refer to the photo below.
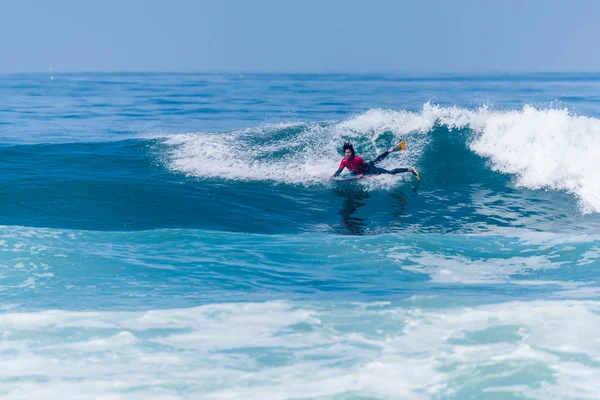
[482,170]
[178,236]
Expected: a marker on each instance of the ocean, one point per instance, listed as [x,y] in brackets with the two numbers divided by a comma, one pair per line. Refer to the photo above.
[177,236]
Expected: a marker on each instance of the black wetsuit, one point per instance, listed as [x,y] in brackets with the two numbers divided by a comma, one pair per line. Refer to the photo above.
[368,167]
[373,170]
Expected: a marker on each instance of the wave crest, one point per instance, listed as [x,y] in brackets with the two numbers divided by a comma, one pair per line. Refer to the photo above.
[540,148]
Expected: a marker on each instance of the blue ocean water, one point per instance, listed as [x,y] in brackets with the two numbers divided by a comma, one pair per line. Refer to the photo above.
[172,236]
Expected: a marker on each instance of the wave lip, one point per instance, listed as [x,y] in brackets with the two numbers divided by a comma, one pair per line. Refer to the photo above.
[544,149]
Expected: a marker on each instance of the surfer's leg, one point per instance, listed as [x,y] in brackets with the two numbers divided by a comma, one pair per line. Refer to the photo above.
[399,171]
[379,158]
[373,170]
[402,170]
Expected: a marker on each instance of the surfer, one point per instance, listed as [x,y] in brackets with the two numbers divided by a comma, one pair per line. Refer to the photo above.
[357,165]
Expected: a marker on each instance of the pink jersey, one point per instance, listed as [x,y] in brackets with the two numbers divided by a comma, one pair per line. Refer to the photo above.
[357,165]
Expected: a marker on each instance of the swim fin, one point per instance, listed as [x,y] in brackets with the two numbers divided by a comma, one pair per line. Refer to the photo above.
[400,146]
[416,174]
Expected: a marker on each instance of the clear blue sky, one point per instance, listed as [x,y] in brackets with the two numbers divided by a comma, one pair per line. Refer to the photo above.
[299,36]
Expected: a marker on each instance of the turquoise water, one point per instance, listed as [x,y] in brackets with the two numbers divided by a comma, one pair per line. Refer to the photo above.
[177,236]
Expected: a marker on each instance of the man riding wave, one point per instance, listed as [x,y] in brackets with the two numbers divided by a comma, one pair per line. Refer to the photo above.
[357,165]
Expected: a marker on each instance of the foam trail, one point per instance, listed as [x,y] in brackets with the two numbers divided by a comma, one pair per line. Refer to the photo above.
[303,153]
[242,155]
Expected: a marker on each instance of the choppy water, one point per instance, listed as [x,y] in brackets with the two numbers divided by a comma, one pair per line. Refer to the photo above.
[177,236]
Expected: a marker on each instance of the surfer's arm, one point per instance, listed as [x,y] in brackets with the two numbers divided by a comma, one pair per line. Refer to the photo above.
[337,173]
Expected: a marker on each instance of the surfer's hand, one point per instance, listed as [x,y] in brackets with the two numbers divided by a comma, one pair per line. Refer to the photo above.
[361,176]
[331,177]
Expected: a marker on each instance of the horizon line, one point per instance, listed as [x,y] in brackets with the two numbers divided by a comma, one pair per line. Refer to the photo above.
[52,71]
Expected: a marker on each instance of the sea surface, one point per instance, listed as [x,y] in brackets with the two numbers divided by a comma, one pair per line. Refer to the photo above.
[177,236]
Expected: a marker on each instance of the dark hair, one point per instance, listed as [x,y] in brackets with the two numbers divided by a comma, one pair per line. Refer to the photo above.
[347,146]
